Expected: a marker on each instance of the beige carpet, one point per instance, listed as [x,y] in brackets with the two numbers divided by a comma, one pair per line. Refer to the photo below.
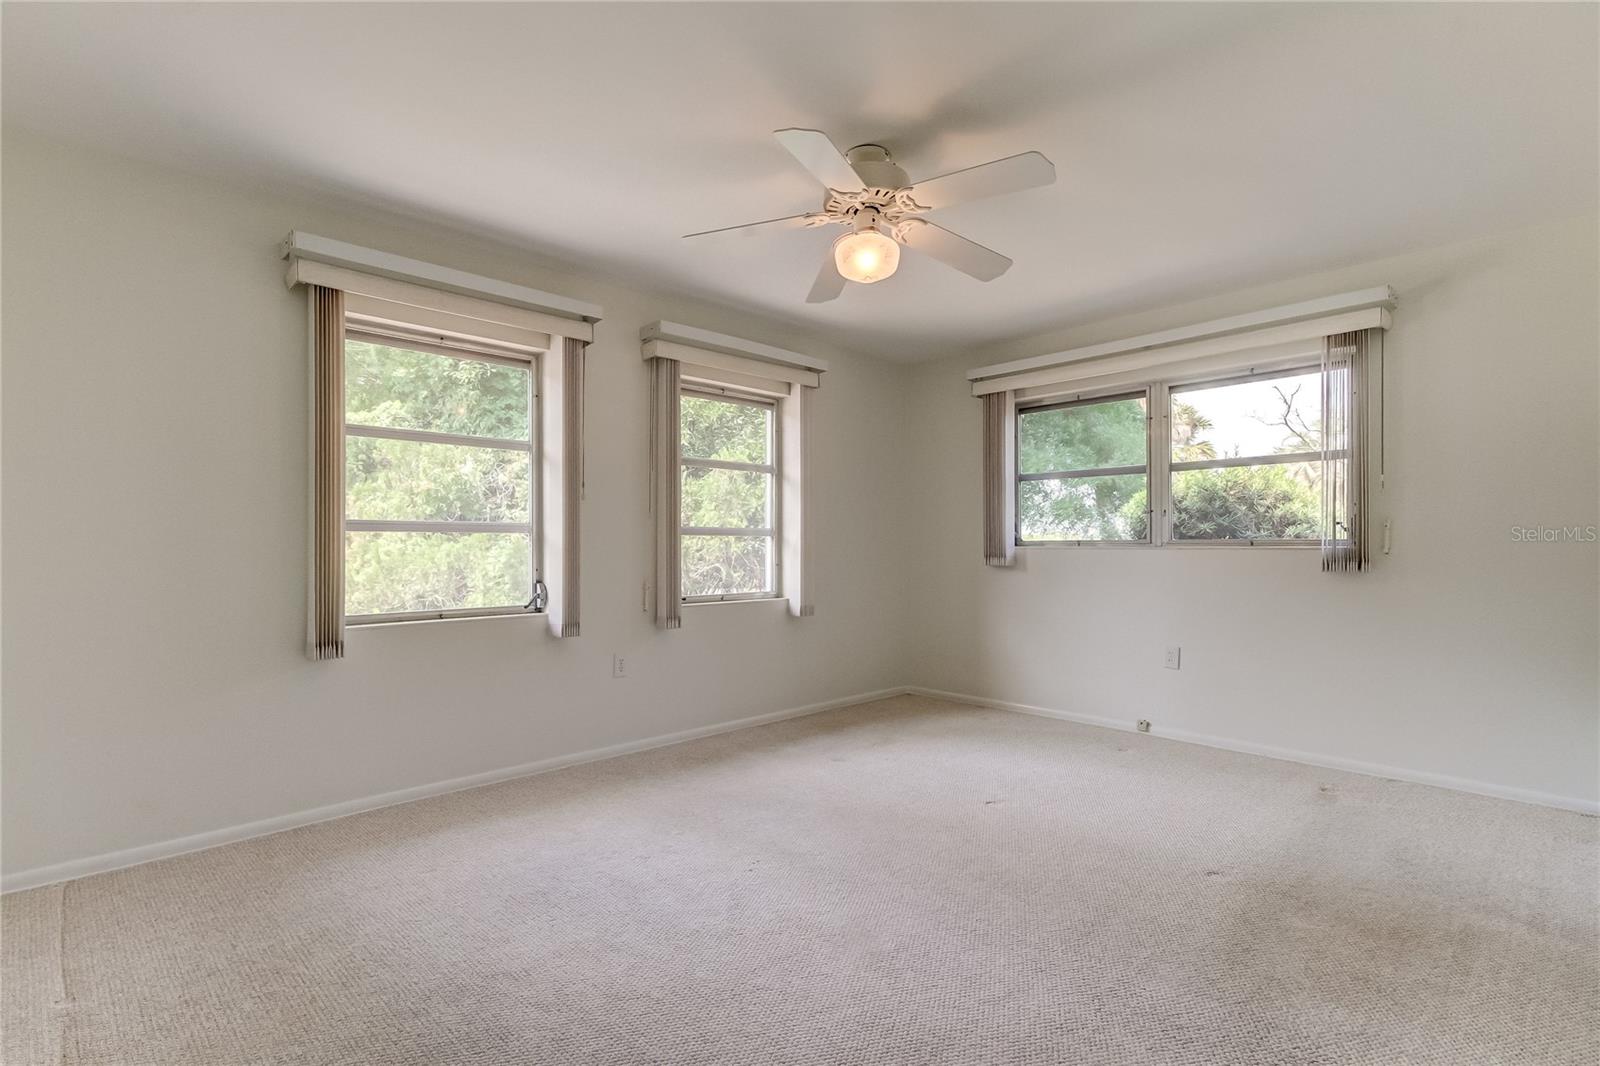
[905,882]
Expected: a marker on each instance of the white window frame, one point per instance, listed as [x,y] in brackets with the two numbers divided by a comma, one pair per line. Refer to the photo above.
[455,348]
[1183,385]
[1085,399]
[1159,466]
[774,472]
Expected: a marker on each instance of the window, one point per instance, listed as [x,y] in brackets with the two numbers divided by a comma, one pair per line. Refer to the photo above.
[1242,464]
[439,481]
[1246,459]
[728,506]
[1083,471]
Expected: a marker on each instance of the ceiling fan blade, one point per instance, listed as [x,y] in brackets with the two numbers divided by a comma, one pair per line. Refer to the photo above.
[787,222]
[1012,174]
[818,155]
[952,249]
[829,283]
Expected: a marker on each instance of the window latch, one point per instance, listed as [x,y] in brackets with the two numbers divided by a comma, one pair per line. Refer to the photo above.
[541,596]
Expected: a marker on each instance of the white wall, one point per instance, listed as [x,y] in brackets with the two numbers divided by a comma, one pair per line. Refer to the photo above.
[154,424]
[1466,654]
[154,555]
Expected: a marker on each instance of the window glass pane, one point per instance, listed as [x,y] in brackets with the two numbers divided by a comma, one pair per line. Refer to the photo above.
[1082,437]
[392,572]
[1278,501]
[726,498]
[413,480]
[1084,508]
[726,566]
[722,429]
[1248,418]
[402,389]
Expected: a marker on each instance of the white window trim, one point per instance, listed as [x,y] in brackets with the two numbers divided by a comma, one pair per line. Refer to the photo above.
[314,260]
[1160,355]
[457,348]
[694,341]
[774,472]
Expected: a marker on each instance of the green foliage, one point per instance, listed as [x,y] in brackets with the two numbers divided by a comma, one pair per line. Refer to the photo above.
[1188,429]
[1080,437]
[722,429]
[1090,508]
[725,498]
[1243,502]
[422,481]
[1236,503]
[387,572]
[723,565]
[412,480]
[402,389]
[1083,437]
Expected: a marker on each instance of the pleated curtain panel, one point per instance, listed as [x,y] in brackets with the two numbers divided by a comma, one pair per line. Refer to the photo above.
[1344,452]
[666,383]
[999,491]
[325,636]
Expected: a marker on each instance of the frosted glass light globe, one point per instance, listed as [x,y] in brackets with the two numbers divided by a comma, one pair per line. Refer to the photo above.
[866,256]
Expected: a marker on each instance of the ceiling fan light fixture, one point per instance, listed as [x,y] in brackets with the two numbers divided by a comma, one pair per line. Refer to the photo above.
[866,190]
[868,254]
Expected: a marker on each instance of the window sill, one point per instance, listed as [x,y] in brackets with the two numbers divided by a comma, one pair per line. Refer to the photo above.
[388,623]
[1291,545]
[1182,544]
[1052,544]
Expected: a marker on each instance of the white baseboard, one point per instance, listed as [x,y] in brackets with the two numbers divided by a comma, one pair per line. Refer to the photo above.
[1330,762]
[166,849]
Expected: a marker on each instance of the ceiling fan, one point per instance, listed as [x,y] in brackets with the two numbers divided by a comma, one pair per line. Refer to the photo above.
[869,193]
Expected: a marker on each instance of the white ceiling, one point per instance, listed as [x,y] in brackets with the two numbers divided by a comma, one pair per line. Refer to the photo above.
[1198,147]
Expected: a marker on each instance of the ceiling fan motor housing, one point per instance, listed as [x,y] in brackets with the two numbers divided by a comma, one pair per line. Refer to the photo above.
[883,205]
[877,170]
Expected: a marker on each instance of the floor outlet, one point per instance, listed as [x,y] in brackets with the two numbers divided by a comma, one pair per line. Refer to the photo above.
[1144,725]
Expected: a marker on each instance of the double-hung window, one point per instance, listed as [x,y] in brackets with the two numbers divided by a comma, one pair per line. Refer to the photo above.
[440,480]
[1245,461]
[729,499]
[1083,470]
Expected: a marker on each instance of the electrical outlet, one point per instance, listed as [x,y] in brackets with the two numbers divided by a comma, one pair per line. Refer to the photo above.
[1174,657]
[1144,725]
[619,666]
